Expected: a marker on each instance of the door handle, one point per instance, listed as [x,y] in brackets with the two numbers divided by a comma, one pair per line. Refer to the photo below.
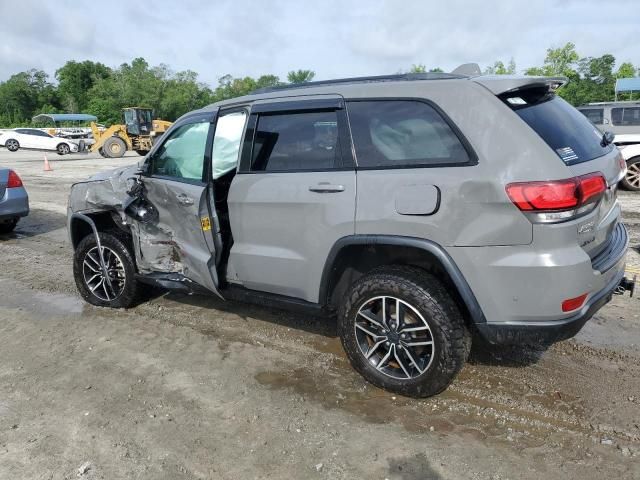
[184,199]
[326,187]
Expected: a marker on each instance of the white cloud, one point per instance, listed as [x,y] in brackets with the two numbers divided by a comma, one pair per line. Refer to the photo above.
[334,38]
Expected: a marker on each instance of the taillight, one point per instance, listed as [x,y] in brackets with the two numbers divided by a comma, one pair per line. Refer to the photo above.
[592,187]
[558,200]
[14,180]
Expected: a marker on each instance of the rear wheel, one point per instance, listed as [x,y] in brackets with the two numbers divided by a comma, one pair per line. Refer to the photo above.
[63,149]
[7,226]
[403,332]
[12,145]
[114,147]
[142,153]
[631,180]
[119,287]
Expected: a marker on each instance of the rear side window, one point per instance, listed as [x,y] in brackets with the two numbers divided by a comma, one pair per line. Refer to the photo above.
[596,115]
[561,126]
[629,116]
[286,142]
[403,134]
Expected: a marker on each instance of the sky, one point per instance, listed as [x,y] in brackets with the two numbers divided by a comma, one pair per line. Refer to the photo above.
[335,38]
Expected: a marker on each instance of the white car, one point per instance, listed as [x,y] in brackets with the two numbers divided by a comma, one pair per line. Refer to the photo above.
[629,146]
[32,138]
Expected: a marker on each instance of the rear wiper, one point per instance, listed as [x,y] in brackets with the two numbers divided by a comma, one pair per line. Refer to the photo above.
[607,138]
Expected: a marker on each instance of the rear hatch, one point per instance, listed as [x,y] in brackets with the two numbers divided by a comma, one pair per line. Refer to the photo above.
[580,146]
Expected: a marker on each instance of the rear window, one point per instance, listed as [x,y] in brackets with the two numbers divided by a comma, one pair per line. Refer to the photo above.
[596,115]
[561,126]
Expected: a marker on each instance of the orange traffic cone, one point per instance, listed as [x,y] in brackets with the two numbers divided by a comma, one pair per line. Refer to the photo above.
[47,166]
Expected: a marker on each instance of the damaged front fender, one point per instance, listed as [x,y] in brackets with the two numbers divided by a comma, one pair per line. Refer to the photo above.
[107,196]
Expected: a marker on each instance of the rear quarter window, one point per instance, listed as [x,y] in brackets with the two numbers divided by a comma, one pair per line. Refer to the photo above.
[403,134]
[567,131]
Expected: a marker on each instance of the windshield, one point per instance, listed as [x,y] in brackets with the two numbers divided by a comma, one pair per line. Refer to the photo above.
[567,131]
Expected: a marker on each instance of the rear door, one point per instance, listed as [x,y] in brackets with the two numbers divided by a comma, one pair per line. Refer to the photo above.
[293,197]
[26,138]
[177,184]
[44,141]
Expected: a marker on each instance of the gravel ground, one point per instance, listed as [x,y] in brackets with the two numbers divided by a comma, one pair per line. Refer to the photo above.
[192,387]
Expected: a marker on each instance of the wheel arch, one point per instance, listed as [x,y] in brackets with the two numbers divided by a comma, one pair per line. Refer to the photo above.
[83,224]
[353,256]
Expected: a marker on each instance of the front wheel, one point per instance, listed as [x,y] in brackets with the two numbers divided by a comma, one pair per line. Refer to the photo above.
[114,147]
[631,180]
[403,331]
[118,288]
[63,149]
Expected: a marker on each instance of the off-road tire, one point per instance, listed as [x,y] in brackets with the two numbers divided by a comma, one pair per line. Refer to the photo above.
[633,168]
[12,145]
[114,147]
[8,227]
[63,149]
[142,153]
[101,152]
[423,291]
[117,243]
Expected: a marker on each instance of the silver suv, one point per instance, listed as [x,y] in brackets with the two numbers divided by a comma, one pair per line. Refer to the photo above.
[420,208]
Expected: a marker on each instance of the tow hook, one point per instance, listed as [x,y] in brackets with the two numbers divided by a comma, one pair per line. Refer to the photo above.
[626,284]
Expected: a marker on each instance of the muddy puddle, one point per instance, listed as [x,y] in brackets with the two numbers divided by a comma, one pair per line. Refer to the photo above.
[18,296]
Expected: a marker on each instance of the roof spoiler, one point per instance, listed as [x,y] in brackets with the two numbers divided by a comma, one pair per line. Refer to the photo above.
[500,84]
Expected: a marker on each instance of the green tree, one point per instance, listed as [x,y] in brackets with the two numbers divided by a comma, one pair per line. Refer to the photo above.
[75,79]
[300,76]
[137,84]
[421,68]
[499,68]
[559,61]
[626,70]
[23,95]
[181,93]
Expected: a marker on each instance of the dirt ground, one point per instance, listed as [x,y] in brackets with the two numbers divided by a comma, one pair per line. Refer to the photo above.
[192,388]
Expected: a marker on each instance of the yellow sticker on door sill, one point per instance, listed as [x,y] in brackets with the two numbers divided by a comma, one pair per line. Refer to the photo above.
[206,224]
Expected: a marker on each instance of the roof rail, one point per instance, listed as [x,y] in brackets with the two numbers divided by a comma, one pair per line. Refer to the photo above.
[373,79]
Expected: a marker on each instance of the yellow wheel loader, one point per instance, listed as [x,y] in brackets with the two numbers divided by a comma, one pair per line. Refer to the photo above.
[138,133]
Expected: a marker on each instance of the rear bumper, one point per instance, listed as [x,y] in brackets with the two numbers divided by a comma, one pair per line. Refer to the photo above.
[549,331]
[14,203]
